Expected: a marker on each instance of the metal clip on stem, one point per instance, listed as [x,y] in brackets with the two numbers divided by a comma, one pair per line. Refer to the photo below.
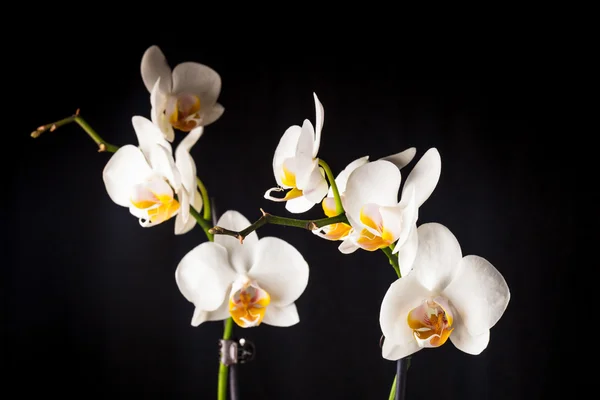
[236,352]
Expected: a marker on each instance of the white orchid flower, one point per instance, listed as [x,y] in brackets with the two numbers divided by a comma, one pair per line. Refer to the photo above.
[146,178]
[296,166]
[341,230]
[445,296]
[253,282]
[373,210]
[183,98]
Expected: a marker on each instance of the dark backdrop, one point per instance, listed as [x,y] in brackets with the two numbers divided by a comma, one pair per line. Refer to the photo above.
[90,296]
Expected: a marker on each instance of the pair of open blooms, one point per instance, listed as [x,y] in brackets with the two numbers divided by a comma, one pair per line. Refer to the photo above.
[149,179]
[260,280]
[445,295]
[368,191]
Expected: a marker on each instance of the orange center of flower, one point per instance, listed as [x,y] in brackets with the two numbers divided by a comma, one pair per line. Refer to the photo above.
[248,305]
[431,323]
[184,114]
[378,237]
[288,178]
[334,231]
[158,207]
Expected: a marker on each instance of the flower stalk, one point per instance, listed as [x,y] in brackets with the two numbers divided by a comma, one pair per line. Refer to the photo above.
[276,220]
[103,145]
[224,369]
[339,208]
[203,221]
[205,200]
[393,390]
[204,224]
[393,260]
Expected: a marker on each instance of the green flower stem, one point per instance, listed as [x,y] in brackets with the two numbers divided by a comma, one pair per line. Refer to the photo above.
[336,194]
[228,329]
[206,226]
[103,146]
[394,263]
[393,391]
[275,220]
[393,260]
[224,369]
[205,199]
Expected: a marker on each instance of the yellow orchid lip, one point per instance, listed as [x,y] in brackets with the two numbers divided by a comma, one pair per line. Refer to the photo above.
[288,178]
[368,239]
[248,304]
[431,322]
[186,112]
[337,231]
[159,207]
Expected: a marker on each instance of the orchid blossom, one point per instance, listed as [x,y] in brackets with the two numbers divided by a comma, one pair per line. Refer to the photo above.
[253,282]
[372,208]
[341,230]
[184,98]
[146,178]
[296,166]
[445,296]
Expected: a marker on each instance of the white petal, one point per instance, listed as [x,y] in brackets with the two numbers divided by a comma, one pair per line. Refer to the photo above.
[408,216]
[182,227]
[403,158]
[148,135]
[184,204]
[393,221]
[375,182]
[126,168]
[479,293]
[299,205]
[285,149]
[424,176]
[211,115]
[280,269]
[200,316]
[315,188]
[306,141]
[408,251]
[158,101]
[163,164]
[281,316]
[438,256]
[301,167]
[320,119]
[393,351]
[220,314]
[197,79]
[204,276]
[154,66]
[342,179]
[241,255]
[185,162]
[464,341]
[402,296]
[347,246]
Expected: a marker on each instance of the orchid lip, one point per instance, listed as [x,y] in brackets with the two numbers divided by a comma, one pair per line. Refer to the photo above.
[158,206]
[248,302]
[184,112]
[431,322]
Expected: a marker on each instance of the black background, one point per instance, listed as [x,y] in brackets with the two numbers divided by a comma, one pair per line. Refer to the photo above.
[90,296]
